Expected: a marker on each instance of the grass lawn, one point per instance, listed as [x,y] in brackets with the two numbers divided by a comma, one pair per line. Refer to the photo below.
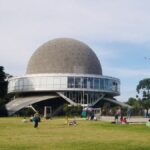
[87,135]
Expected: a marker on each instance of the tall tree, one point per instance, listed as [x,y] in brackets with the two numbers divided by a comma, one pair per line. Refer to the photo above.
[3,83]
[136,105]
[143,89]
[3,92]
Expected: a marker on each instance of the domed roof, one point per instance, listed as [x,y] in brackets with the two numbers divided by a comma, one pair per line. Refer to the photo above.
[64,55]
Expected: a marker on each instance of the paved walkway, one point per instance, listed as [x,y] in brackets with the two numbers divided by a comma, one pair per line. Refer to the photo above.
[131,120]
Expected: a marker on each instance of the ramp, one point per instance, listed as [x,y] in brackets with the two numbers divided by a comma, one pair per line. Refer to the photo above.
[117,102]
[21,102]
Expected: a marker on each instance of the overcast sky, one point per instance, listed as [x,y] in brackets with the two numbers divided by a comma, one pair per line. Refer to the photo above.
[117,30]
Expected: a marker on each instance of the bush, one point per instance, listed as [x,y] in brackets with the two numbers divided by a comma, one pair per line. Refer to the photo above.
[72,110]
[3,111]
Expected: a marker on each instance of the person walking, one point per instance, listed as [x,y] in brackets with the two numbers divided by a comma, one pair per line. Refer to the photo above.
[36,120]
[116,118]
[117,114]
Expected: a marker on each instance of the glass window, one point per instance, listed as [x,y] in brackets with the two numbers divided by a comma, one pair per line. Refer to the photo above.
[20,83]
[25,81]
[115,86]
[36,81]
[96,83]
[84,82]
[56,80]
[78,82]
[107,84]
[71,82]
[118,86]
[43,81]
[102,84]
[63,82]
[50,81]
[90,83]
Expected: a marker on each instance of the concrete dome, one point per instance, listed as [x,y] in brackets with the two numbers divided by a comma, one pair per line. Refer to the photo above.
[64,55]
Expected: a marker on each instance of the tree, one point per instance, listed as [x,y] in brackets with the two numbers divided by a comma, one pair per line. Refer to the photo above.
[136,104]
[3,91]
[132,101]
[72,110]
[143,89]
[3,83]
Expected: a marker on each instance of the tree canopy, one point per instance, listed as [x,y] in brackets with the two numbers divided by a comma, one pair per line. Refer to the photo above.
[3,83]
[3,91]
[143,88]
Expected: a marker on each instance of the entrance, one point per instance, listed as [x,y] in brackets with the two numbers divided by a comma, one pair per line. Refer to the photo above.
[47,112]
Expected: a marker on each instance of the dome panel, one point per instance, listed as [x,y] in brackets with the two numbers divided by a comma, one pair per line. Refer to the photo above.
[64,55]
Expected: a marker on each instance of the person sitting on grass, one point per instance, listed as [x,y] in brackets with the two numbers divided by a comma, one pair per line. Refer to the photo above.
[124,121]
[71,122]
[121,119]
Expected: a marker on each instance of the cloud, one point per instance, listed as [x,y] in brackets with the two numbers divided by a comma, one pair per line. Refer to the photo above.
[26,24]
[104,20]
[105,55]
[128,73]
[126,93]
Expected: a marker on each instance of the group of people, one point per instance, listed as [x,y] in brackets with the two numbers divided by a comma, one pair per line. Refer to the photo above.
[88,113]
[119,119]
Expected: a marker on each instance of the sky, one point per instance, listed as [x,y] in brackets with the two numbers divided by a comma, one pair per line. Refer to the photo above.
[116,30]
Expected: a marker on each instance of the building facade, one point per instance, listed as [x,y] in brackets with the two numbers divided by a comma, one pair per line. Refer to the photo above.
[63,68]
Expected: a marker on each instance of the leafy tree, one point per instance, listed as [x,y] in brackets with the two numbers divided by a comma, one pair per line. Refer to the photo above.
[137,106]
[3,91]
[143,89]
[132,101]
[3,83]
[72,110]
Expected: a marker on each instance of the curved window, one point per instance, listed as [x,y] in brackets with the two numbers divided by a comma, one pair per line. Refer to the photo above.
[78,82]
[96,83]
[102,84]
[114,86]
[84,82]
[71,82]
[90,83]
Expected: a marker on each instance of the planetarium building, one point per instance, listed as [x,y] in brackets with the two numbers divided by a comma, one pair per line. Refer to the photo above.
[62,71]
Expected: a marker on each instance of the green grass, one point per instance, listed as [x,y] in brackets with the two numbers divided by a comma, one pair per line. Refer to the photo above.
[87,135]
